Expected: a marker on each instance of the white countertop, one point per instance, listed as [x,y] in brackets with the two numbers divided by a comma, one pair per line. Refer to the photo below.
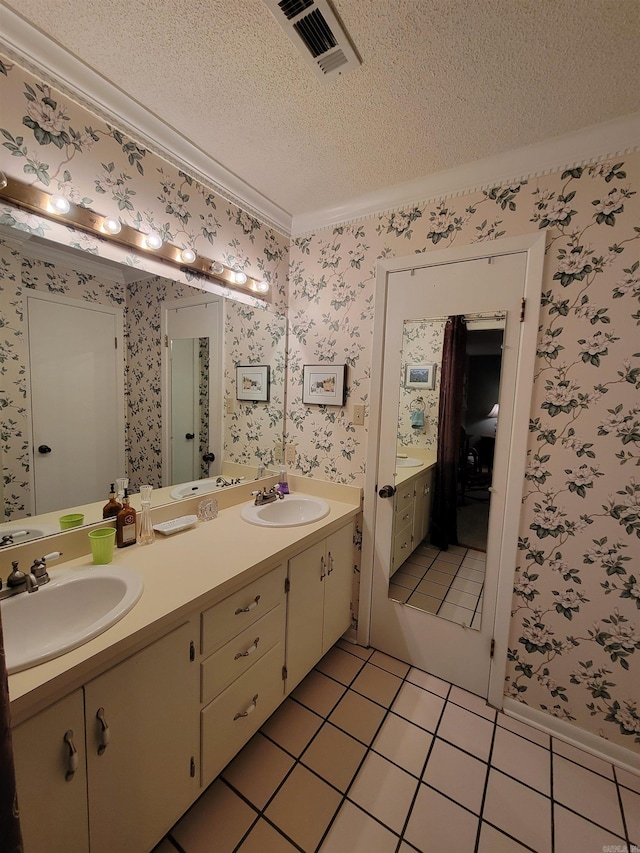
[427,458]
[194,568]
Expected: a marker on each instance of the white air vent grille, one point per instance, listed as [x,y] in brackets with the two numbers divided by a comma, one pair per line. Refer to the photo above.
[315,30]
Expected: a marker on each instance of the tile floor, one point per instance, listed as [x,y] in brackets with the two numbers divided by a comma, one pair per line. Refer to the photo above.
[370,755]
[447,583]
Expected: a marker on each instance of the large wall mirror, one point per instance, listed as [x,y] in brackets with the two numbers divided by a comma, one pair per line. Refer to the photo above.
[98,385]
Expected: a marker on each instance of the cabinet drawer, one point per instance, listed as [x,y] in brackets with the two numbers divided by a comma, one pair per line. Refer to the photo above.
[235,715]
[402,546]
[403,516]
[235,613]
[404,497]
[239,654]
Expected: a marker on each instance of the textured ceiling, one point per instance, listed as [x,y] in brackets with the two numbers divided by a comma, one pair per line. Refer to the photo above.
[442,82]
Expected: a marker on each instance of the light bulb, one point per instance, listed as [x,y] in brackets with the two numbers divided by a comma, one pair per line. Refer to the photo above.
[187,256]
[59,204]
[217,268]
[111,225]
[3,180]
[239,277]
[153,240]
[262,286]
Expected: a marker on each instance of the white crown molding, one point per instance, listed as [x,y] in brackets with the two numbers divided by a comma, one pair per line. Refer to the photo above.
[609,139]
[25,44]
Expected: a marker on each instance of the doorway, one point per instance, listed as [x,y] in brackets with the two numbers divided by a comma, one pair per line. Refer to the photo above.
[471,280]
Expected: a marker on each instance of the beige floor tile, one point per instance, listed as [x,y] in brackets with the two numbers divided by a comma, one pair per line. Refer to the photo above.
[427,550]
[340,665]
[585,759]
[445,567]
[476,622]
[318,693]
[354,831]
[587,793]
[428,587]
[358,716]
[471,574]
[476,555]
[456,549]
[397,667]
[455,613]
[258,769]
[629,780]
[403,743]
[219,817]
[519,811]
[262,838]
[354,649]
[467,730]
[292,726]
[438,577]
[384,790]
[494,841]
[465,585]
[631,806]
[401,578]
[523,729]
[165,846]
[377,684]
[399,593]
[303,807]
[522,759]
[456,774]
[472,702]
[436,824]
[416,566]
[462,599]
[334,755]
[450,557]
[424,602]
[573,832]
[428,681]
[418,706]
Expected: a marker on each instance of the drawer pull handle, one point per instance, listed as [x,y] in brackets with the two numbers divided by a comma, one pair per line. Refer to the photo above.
[404,545]
[72,759]
[323,574]
[252,648]
[249,607]
[250,709]
[105,734]
[330,563]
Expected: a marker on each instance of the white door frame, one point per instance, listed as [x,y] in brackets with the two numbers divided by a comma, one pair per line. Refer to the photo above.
[534,246]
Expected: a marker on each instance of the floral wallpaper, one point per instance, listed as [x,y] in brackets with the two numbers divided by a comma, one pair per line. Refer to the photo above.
[421,344]
[574,648]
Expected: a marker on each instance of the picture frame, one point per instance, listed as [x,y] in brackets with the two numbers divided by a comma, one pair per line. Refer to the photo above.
[252,383]
[324,384]
[420,376]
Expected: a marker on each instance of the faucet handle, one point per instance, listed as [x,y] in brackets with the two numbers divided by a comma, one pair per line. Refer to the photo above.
[16,577]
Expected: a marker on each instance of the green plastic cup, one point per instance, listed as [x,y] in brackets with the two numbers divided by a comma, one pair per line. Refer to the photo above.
[76,519]
[102,545]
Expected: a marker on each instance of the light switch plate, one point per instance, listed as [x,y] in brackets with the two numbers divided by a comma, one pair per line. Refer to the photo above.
[290,454]
[358,415]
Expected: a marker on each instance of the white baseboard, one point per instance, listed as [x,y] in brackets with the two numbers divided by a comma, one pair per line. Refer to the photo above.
[571,734]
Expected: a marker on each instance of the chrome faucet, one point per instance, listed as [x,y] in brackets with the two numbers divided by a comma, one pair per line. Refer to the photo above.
[266,497]
[30,581]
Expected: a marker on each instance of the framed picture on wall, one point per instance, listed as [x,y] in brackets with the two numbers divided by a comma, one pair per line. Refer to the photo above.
[420,376]
[252,383]
[324,384]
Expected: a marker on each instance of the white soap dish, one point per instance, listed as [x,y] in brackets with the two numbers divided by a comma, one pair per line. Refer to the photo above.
[167,528]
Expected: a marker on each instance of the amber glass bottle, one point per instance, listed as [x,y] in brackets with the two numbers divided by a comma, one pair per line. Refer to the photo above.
[126,523]
[112,507]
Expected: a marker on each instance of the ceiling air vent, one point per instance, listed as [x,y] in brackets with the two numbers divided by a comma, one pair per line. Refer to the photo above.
[315,30]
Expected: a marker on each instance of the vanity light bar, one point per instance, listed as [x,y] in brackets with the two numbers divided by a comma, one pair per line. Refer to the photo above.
[84,219]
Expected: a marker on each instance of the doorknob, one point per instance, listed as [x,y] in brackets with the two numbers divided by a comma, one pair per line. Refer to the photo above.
[387,491]
[208,457]
[190,435]
[44,449]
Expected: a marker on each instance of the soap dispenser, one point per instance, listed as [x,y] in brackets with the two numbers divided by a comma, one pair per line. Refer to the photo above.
[126,523]
[113,506]
[283,485]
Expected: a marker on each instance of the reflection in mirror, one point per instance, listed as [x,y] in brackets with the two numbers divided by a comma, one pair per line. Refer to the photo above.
[445,581]
[33,267]
[189,409]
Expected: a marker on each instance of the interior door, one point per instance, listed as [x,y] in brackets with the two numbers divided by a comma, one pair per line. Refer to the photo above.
[444,648]
[76,376]
[185,417]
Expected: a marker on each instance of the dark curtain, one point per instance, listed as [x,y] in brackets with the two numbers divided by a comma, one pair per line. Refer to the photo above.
[10,837]
[444,526]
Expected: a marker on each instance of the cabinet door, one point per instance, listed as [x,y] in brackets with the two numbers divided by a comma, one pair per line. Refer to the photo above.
[141,782]
[338,586]
[305,604]
[53,798]
[422,508]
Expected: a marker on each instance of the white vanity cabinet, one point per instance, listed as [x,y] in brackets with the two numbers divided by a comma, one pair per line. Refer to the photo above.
[138,775]
[241,673]
[318,601]
[411,520]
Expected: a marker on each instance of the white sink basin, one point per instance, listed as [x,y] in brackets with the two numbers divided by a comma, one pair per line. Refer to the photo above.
[24,531]
[197,487]
[73,608]
[408,462]
[291,511]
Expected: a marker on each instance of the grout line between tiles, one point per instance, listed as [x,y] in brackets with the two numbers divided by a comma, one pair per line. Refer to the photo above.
[486,785]
[622,812]
[178,847]
[512,837]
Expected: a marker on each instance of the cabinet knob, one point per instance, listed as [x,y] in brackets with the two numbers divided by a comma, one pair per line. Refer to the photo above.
[72,758]
[252,648]
[249,710]
[105,734]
